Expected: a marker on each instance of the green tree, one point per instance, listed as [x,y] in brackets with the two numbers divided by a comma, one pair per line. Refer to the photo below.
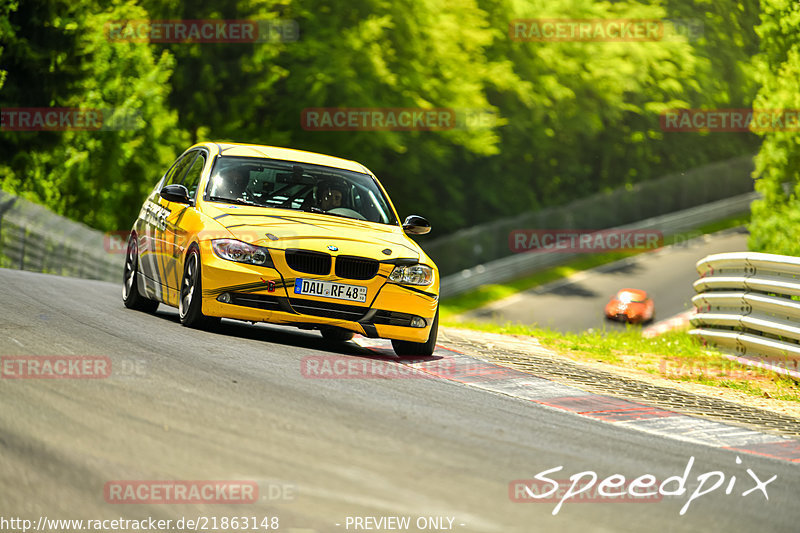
[573,118]
[58,55]
[365,53]
[775,226]
[585,115]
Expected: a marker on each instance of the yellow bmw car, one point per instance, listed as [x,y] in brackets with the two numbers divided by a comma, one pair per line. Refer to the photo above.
[266,234]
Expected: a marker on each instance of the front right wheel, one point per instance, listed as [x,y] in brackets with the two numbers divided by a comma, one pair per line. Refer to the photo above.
[405,348]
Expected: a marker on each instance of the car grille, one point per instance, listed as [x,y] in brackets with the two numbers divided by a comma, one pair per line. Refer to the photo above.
[309,262]
[260,301]
[356,267]
[327,309]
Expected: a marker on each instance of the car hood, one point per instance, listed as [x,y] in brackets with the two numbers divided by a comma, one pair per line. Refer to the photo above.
[286,229]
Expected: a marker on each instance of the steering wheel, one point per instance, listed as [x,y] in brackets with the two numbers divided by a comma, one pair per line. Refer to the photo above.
[347,212]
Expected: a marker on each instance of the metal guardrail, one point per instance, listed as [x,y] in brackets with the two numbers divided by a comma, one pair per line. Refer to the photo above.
[35,239]
[746,306]
[518,265]
[488,242]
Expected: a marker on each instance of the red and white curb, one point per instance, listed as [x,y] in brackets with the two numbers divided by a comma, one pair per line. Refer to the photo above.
[678,321]
[451,365]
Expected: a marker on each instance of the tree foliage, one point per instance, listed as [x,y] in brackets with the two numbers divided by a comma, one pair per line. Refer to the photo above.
[570,118]
[57,55]
[775,226]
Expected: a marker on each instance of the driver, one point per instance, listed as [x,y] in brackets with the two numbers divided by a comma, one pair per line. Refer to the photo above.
[330,197]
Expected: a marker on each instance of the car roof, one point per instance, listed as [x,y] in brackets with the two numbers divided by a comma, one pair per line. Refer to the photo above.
[288,154]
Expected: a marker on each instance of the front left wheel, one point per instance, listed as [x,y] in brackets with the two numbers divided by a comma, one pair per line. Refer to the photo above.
[131,296]
[336,334]
[191,301]
[424,349]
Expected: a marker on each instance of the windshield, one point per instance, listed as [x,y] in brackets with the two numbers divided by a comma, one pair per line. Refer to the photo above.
[631,297]
[299,186]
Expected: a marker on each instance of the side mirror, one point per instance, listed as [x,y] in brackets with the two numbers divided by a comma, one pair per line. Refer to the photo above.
[416,225]
[176,193]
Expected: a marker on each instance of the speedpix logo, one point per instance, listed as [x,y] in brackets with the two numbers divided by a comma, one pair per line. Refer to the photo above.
[643,488]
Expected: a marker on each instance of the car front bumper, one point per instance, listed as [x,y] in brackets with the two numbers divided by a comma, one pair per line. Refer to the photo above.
[262,294]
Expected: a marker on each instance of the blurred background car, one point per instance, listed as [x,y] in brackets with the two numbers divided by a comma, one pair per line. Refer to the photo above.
[630,305]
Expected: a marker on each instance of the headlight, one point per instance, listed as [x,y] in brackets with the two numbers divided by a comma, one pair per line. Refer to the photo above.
[241,252]
[412,275]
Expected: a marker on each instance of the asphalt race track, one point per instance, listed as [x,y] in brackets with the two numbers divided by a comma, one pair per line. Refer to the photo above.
[234,405]
[576,304]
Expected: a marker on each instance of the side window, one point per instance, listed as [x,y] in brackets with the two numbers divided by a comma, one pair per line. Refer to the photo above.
[192,178]
[178,169]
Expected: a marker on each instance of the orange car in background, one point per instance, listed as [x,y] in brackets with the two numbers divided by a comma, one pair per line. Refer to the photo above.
[630,305]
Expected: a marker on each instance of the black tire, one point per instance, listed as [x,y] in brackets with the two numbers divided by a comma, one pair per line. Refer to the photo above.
[425,349]
[336,334]
[131,296]
[190,304]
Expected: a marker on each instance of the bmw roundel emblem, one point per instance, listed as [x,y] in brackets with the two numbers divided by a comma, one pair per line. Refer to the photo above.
[332,248]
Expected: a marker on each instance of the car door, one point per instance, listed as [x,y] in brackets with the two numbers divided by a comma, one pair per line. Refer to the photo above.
[156,211]
[179,226]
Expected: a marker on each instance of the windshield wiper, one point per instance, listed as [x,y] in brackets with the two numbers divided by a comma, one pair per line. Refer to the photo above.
[238,201]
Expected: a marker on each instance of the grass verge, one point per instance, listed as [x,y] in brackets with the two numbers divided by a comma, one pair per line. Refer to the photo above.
[675,355]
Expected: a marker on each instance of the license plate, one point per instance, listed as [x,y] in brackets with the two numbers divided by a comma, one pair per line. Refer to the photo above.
[330,289]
